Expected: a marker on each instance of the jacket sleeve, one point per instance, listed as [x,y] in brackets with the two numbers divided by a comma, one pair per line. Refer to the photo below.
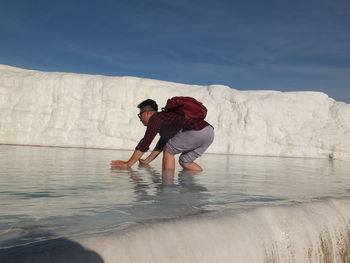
[153,128]
[161,143]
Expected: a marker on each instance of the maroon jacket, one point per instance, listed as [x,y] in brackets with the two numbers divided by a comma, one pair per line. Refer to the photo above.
[167,124]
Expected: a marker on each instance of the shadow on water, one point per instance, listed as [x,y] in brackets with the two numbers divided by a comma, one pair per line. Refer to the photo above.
[58,250]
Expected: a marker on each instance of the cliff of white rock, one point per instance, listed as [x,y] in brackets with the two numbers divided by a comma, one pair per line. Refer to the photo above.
[93,111]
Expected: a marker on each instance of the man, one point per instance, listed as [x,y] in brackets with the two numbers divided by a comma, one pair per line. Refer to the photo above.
[190,138]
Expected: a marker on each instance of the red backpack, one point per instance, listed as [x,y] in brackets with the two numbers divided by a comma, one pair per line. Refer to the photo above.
[187,106]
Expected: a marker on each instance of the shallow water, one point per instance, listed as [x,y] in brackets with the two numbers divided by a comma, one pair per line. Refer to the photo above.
[64,192]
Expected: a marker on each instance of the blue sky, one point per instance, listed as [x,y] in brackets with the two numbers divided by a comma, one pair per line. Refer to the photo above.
[286,45]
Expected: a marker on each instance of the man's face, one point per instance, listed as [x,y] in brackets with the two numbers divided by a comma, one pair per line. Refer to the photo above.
[144,116]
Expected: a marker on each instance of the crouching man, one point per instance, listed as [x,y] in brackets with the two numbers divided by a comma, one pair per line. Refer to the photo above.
[189,138]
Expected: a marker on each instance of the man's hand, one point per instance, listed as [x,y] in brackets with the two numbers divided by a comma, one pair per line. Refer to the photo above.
[143,161]
[119,163]
[133,159]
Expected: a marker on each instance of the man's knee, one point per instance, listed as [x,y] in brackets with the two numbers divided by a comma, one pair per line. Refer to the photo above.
[166,153]
[183,164]
[188,157]
[168,156]
[192,166]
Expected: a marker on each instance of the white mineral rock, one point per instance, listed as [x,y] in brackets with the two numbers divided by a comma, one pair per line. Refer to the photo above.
[93,111]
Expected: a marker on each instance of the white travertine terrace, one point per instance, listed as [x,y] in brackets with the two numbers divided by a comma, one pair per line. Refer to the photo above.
[94,111]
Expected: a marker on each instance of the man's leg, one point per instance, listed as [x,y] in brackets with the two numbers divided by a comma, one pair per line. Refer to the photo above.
[168,161]
[203,139]
[191,145]
[168,177]
[192,166]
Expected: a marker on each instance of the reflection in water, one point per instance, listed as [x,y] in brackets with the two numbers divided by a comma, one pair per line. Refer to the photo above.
[163,195]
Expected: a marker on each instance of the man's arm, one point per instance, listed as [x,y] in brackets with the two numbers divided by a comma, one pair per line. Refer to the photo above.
[153,127]
[156,151]
[151,157]
[133,159]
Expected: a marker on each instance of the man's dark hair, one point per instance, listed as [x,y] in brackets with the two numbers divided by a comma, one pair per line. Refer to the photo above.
[151,104]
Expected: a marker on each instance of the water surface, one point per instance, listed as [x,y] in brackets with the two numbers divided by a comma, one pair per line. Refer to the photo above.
[64,192]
